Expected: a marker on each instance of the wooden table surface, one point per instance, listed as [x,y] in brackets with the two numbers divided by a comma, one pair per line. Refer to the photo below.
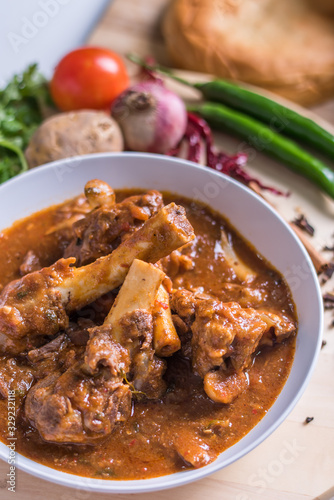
[265,473]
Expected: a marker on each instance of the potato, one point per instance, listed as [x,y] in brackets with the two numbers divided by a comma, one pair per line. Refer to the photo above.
[74,133]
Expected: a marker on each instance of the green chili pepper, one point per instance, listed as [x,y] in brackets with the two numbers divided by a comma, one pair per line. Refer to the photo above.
[263,139]
[280,118]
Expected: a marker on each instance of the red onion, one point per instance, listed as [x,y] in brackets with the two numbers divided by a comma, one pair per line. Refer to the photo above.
[152,118]
[198,132]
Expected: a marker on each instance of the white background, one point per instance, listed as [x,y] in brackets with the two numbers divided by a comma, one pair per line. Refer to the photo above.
[30,33]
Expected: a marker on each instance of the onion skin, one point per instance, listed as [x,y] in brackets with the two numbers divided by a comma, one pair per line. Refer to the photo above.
[152,118]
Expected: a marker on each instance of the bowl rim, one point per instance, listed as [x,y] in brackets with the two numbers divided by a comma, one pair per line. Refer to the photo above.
[180,478]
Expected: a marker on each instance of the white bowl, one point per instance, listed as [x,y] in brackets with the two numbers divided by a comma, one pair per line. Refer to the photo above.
[249,214]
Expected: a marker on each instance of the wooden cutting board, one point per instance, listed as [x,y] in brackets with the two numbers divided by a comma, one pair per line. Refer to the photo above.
[297,461]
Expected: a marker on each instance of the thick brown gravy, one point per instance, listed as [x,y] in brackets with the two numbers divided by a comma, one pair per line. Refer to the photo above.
[139,448]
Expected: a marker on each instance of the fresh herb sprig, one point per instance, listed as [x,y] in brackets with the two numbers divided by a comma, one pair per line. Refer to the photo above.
[22,103]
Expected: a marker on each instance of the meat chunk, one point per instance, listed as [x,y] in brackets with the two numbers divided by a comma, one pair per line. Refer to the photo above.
[103,229]
[85,402]
[147,374]
[30,263]
[176,263]
[224,329]
[103,351]
[224,387]
[32,308]
[192,449]
[224,336]
[55,356]
[184,303]
[38,304]
[221,330]
[48,350]
[75,408]
[280,327]
[14,377]
[246,296]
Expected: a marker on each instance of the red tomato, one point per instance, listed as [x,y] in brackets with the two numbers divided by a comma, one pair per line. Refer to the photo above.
[88,78]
